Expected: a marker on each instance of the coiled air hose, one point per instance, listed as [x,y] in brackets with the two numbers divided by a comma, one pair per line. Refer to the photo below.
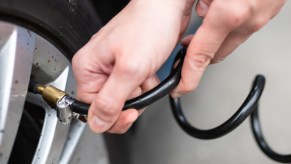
[260,139]
[67,106]
[234,121]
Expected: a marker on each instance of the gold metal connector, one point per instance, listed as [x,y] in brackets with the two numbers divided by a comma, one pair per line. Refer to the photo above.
[50,94]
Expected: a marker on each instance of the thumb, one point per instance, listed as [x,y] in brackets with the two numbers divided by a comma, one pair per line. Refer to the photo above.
[219,22]
[108,103]
[201,50]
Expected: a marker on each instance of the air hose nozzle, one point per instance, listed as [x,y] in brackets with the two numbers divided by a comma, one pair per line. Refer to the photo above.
[50,94]
[58,100]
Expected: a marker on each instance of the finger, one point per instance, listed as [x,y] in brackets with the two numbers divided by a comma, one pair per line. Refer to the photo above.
[86,92]
[150,83]
[199,54]
[127,117]
[229,45]
[147,85]
[91,76]
[140,112]
[206,42]
[136,92]
[186,40]
[202,7]
[124,122]
[107,104]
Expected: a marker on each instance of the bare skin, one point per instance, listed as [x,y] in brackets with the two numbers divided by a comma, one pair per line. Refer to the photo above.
[120,61]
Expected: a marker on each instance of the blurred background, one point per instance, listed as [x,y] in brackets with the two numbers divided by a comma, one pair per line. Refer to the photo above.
[222,90]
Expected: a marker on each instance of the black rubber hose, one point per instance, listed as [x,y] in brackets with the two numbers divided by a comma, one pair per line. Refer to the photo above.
[256,128]
[238,117]
[80,107]
[149,97]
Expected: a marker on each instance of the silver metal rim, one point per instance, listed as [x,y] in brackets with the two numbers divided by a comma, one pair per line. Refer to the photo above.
[24,54]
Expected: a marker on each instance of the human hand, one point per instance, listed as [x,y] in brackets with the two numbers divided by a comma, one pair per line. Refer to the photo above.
[226,24]
[120,61]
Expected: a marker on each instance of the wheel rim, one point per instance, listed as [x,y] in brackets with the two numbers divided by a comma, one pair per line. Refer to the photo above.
[25,55]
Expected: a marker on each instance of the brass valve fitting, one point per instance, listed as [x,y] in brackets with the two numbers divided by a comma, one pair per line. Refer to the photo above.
[60,101]
[51,94]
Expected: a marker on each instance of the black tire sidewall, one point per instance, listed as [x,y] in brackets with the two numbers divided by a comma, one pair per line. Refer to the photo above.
[68,25]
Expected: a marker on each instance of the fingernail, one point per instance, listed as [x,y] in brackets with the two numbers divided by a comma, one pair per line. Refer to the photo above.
[203,7]
[99,125]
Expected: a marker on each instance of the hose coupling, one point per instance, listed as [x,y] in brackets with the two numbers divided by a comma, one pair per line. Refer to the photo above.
[60,101]
[64,112]
[51,94]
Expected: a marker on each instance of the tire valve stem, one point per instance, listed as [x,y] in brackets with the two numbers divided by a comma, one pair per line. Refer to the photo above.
[58,100]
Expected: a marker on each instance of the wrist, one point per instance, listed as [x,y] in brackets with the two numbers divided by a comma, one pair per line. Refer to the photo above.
[179,5]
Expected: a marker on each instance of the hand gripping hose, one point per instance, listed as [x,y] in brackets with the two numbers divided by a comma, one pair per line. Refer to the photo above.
[146,99]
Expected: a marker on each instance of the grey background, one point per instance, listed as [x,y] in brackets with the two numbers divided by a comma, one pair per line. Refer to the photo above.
[223,88]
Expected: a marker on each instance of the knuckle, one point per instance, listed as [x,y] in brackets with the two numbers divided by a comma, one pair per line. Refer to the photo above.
[107,106]
[259,23]
[201,59]
[131,68]
[236,18]
[96,35]
[235,14]
[128,63]
[76,56]
[79,56]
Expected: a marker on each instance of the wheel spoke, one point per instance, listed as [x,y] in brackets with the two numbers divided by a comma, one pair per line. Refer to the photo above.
[26,56]
[54,134]
[16,57]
